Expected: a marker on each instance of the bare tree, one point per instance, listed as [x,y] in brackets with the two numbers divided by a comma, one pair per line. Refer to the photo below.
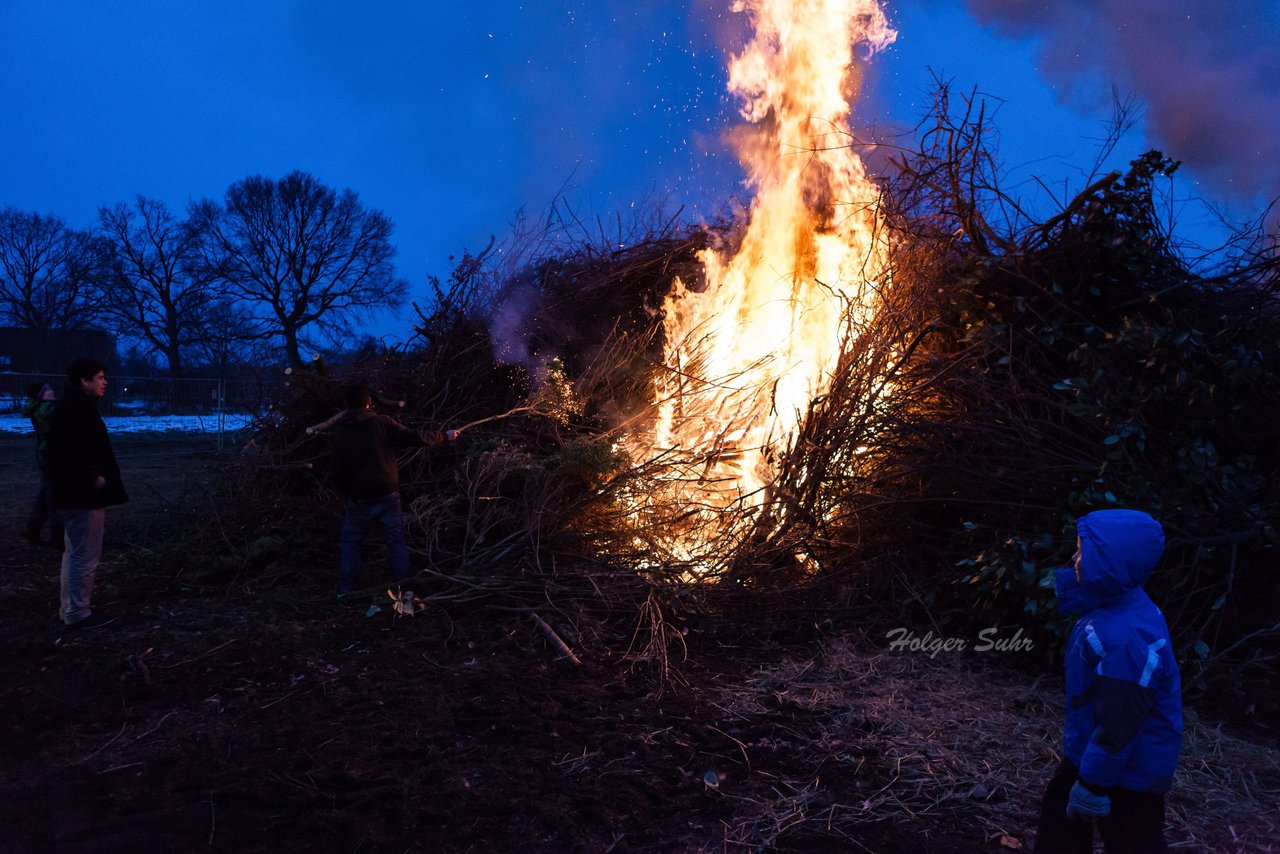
[302,256]
[228,341]
[157,291]
[49,274]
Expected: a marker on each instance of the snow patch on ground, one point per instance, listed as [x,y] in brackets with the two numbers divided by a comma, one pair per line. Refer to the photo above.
[15,423]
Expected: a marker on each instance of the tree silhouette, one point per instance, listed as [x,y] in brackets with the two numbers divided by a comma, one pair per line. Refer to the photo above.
[49,274]
[302,256]
[157,290]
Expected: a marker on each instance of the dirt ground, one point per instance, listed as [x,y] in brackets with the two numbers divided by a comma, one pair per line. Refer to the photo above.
[283,720]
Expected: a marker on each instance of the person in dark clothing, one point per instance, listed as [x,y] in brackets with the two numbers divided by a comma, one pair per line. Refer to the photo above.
[38,407]
[364,446]
[86,480]
[1124,695]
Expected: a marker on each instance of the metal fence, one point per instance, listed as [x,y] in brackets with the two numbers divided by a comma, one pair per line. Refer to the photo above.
[210,405]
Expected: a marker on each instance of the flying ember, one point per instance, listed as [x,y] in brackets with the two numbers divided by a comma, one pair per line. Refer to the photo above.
[746,356]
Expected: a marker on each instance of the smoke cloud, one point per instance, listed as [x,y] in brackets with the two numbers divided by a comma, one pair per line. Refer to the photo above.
[1208,74]
[509,327]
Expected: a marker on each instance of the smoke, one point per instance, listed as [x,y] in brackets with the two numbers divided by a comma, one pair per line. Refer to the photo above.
[510,331]
[1208,74]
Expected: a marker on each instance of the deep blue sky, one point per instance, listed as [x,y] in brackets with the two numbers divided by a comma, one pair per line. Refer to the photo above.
[448,116]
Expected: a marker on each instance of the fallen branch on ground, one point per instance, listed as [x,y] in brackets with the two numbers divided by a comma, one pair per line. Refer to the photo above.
[554,638]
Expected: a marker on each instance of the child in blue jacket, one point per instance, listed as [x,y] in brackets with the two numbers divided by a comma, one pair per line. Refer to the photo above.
[1124,694]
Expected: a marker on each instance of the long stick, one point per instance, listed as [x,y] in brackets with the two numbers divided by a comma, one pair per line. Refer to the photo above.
[328,423]
[507,414]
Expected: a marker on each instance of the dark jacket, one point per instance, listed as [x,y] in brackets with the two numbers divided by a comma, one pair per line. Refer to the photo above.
[79,453]
[364,446]
[1124,692]
[39,411]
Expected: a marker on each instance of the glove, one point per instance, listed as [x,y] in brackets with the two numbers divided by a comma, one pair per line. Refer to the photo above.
[1084,805]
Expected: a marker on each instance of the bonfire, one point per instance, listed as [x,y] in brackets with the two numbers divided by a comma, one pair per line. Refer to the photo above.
[747,354]
[893,390]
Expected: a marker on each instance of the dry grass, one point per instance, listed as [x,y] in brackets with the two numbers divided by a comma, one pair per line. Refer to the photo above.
[952,737]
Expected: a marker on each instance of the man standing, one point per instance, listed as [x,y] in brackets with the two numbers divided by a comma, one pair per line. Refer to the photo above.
[39,407]
[364,446]
[86,480]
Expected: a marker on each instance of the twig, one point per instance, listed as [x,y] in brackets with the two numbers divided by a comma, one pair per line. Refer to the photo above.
[198,657]
[114,768]
[123,726]
[1076,204]
[138,738]
[742,747]
[507,414]
[279,700]
[330,422]
[284,466]
[1220,656]
[554,638]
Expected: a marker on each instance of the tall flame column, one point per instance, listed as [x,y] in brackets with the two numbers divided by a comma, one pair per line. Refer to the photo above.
[745,356]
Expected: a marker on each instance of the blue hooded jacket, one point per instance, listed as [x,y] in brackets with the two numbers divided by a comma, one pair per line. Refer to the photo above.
[1124,692]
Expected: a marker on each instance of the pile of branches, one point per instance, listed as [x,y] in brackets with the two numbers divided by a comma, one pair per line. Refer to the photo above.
[542,367]
[1015,375]
[1020,376]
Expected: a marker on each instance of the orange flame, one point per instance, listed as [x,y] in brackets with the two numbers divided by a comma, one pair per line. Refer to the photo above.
[747,356]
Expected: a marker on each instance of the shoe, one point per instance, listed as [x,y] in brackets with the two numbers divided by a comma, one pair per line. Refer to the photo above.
[33,537]
[91,622]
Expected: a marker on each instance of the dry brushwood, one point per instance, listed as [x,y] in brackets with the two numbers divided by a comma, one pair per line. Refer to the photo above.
[532,489]
[1014,375]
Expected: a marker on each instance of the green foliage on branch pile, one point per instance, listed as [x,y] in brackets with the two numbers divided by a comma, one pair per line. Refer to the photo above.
[1090,368]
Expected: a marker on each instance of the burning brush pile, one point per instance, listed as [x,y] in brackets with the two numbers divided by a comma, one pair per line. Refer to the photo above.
[899,389]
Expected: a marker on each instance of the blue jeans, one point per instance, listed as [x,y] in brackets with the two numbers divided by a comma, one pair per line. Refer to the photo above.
[83,541]
[363,516]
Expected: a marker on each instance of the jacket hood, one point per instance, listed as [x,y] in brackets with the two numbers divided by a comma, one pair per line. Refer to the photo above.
[1118,550]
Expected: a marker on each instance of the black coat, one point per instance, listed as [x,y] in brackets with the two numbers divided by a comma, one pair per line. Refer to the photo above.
[364,447]
[80,453]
